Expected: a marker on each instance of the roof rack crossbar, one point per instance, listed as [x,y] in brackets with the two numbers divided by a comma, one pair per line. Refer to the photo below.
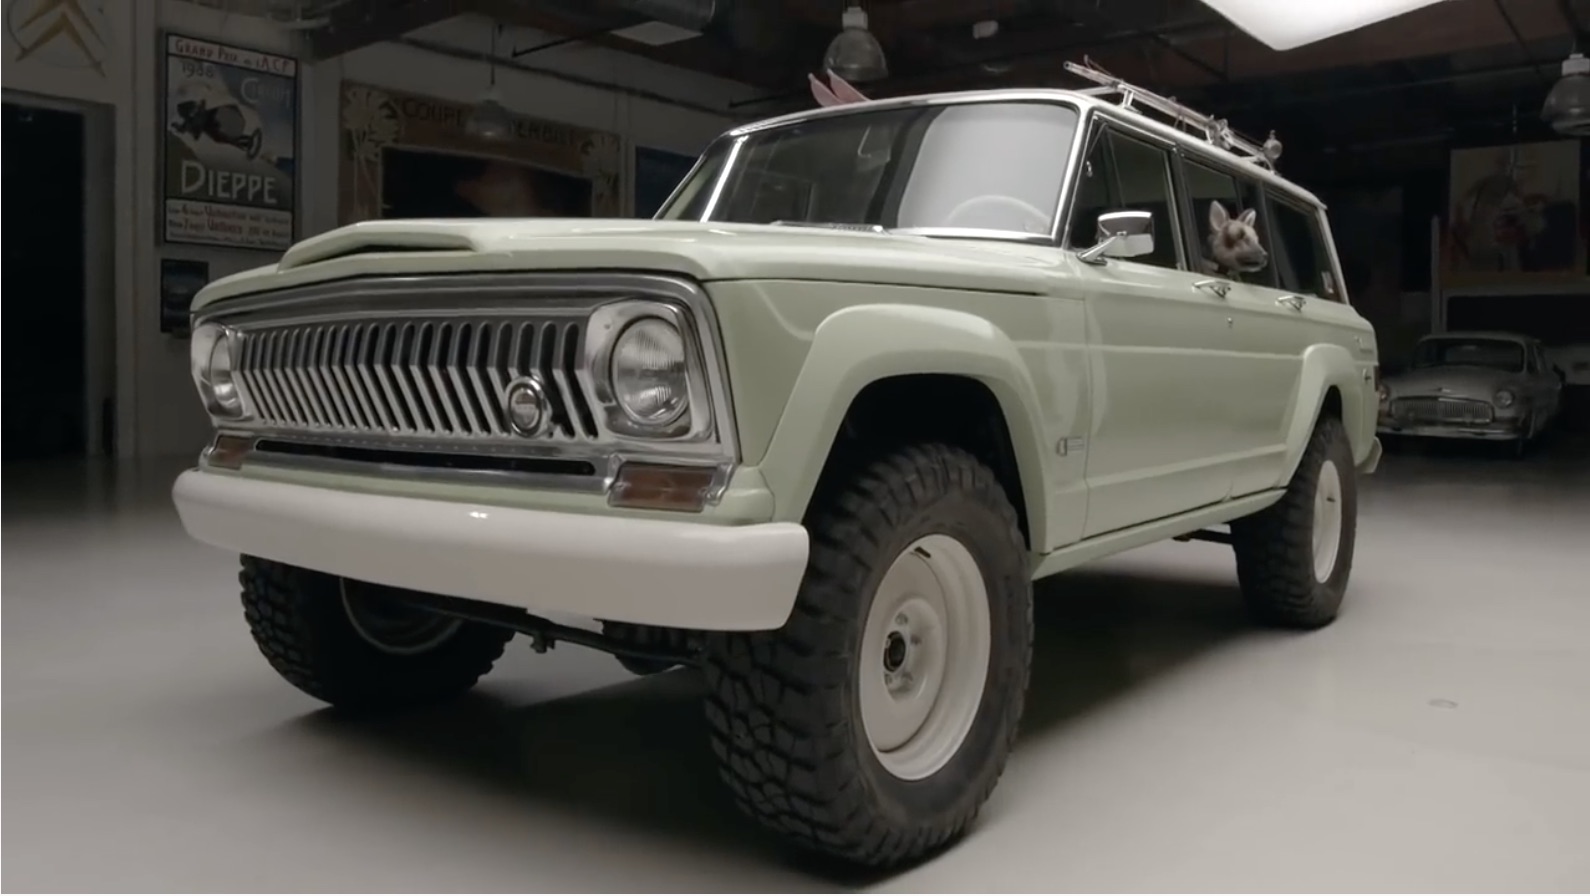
[1213,130]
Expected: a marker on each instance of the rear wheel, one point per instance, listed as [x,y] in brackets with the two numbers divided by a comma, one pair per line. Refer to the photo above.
[876,722]
[360,646]
[1295,556]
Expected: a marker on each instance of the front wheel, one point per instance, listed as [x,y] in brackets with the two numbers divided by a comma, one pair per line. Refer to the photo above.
[358,646]
[876,722]
[1295,556]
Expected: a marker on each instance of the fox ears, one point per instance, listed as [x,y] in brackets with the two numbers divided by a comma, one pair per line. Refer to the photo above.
[1219,217]
[837,92]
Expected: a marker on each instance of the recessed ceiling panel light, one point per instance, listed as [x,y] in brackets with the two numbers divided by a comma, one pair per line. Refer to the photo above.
[1288,24]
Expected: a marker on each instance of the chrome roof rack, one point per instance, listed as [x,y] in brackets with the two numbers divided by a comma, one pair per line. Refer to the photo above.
[1213,130]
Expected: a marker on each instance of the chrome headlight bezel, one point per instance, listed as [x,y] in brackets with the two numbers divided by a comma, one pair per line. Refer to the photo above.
[694,421]
[212,356]
[1505,398]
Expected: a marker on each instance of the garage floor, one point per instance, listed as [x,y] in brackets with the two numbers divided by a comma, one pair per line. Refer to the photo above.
[1436,738]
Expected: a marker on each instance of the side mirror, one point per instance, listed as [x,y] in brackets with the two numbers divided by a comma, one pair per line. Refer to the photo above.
[1121,234]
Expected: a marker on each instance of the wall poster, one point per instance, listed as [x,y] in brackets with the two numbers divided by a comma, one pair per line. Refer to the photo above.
[1514,214]
[230,146]
[657,173]
[405,155]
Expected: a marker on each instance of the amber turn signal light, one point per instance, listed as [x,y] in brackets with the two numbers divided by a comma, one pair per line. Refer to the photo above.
[661,487]
[228,452]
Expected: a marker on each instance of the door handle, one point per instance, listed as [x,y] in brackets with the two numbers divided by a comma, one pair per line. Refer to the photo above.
[1294,302]
[1219,287]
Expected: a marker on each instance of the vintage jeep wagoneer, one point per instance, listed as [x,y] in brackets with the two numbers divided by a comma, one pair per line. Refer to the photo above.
[814,431]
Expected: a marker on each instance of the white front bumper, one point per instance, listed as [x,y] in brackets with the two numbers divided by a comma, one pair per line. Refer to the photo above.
[649,572]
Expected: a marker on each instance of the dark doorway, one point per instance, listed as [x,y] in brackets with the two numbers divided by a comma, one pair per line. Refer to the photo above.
[44,389]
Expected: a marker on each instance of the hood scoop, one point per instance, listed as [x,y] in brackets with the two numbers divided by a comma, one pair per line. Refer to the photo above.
[379,237]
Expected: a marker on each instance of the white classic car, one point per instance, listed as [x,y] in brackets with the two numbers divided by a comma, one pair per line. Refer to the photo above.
[1473,385]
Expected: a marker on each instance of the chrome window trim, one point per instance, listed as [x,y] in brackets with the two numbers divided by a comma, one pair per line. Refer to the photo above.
[529,294]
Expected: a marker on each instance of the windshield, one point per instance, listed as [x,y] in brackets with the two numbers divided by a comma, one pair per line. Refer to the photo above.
[1499,354]
[995,166]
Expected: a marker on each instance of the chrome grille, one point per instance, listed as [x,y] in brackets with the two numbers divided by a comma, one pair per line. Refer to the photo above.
[439,378]
[1442,410]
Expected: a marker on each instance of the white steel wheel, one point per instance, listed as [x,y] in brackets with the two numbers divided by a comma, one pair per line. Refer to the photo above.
[1328,512]
[924,657]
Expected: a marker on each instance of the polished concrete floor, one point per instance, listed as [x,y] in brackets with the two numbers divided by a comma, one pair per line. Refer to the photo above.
[1436,738]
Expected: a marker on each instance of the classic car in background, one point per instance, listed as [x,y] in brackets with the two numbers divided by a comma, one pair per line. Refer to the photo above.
[1473,385]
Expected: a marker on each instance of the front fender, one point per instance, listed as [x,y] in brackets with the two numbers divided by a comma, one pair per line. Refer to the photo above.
[863,344]
[1325,366]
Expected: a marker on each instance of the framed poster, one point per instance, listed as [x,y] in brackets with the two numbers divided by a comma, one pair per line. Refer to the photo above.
[407,155]
[1514,214]
[229,146]
[180,280]
[657,173]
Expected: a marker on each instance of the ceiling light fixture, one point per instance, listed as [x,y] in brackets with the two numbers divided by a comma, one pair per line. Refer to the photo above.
[855,54]
[1286,26]
[1567,107]
[490,119]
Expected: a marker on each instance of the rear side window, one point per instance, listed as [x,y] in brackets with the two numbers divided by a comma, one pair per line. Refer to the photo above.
[1214,195]
[1300,256]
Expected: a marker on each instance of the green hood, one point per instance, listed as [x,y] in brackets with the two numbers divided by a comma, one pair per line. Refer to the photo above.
[705,252]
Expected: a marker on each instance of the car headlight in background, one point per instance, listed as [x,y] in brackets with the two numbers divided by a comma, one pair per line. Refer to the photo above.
[649,371]
[210,355]
[1383,392]
[1505,398]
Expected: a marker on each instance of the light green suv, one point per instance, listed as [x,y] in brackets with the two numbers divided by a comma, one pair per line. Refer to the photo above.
[814,431]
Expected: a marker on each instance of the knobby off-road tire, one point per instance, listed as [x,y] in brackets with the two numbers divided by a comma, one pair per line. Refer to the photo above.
[304,623]
[787,709]
[1290,578]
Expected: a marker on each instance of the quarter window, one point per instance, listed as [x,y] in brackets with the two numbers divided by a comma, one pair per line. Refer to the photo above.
[1121,173]
[1300,255]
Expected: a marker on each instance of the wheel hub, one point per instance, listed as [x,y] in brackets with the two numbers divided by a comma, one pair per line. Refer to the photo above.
[925,654]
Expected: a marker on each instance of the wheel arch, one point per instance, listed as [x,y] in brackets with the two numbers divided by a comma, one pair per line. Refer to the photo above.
[1331,383]
[869,361]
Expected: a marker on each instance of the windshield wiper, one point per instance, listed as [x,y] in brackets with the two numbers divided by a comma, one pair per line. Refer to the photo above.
[832,225]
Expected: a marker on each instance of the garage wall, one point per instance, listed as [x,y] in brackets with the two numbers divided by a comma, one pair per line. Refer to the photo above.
[157,413]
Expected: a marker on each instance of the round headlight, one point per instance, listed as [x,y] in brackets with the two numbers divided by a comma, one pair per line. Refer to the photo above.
[211,360]
[1505,399]
[1383,392]
[649,374]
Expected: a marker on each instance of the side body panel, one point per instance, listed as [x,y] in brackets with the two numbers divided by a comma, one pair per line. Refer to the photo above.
[1025,349]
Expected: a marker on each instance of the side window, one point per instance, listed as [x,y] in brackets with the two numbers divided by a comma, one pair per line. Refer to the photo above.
[1142,173]
[1121,173]
[1225,215]
[1301,257]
